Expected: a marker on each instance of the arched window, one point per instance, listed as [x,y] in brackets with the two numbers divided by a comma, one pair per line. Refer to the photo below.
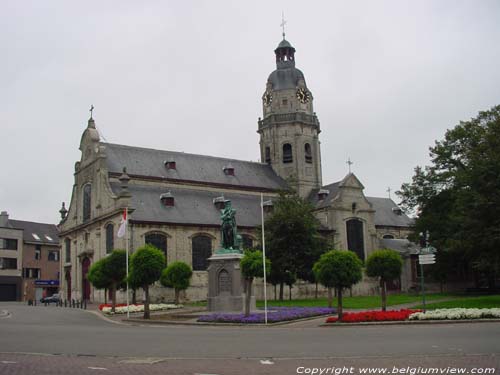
[159,241]
[201,251]
[247,241]
[308,153]
[87,189]
[388,237]
[355,238]
[268,155]
[287,153]
[67,248]
[110,244]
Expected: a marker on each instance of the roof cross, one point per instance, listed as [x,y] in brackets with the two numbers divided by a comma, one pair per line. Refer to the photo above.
[283,23]
[349,163]
[91,110]
[389,191]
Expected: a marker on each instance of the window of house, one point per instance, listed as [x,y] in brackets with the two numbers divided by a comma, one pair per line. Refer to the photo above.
[201,251]
[159,241]
[36,236]
[8,244]
[267,156]
[31,273]
[87,189]
[308,153]
[287,153]
[8,263]
[110,228]
[67,248]
[53,256]
[38,252]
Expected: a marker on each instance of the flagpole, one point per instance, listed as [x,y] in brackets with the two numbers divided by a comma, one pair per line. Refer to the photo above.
[126,257]
[263,255]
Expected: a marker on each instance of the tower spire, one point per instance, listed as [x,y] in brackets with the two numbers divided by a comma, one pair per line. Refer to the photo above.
[283,23]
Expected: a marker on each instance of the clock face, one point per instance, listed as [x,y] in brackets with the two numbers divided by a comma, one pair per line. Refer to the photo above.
[303,95]
[267,98]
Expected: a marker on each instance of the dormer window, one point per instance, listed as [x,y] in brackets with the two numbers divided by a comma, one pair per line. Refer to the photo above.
[268,206]
[228,170]
[397,211]
[167,199]
[220,202]
[170,164]
[322,194]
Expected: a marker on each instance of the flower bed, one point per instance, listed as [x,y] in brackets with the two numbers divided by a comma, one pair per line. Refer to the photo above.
[274,314]
[457,313]
[121,308]
[373,316]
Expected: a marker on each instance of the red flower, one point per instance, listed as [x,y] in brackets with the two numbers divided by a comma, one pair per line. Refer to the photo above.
[374,316]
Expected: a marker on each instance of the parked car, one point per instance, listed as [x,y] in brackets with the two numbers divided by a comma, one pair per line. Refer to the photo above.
[53,298]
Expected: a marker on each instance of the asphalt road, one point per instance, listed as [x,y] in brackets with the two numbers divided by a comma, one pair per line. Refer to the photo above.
[64,338]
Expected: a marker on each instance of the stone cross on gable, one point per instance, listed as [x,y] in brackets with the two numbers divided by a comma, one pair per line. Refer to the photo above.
[349,163]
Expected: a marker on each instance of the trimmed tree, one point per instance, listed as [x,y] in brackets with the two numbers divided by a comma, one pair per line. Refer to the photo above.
[146,265]
[98,277]
[386,265]
[338,269]
[115,269]
[178,276]
[251,267]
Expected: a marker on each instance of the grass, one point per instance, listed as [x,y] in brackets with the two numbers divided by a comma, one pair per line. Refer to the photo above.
[359,302]
[480,302]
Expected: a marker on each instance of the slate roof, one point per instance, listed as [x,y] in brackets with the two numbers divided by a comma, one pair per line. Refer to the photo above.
[190,167]
[46,233]
[384,214]
[402,246]
[285,78]
[333,190]
[191,206]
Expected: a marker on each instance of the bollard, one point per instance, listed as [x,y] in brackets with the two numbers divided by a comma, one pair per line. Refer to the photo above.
[85,301]
[65,302]
[77,304]
[73,303]
[81,304]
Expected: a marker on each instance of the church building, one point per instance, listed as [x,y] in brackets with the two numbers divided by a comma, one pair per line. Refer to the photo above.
[174,198]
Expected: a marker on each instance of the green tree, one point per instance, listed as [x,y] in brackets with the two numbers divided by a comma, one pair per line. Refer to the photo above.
[177,275]
[386,265]
[252,266]
[292,239]
[338,269]
[97,275]
[146,265]
[457,197]
[115,270]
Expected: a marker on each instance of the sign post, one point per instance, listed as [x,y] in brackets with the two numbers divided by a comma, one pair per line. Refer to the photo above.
[426,256]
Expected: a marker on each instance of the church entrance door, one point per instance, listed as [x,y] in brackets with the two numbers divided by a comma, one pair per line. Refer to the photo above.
[68,285]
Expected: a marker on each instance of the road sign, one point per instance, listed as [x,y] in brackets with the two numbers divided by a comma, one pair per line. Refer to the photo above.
[427,257]
[427,261]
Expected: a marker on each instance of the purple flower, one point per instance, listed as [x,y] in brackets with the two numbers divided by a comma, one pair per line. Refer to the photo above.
[274,314]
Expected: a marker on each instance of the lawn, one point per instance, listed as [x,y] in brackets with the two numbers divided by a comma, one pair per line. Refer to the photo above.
[359,302]
[484,302]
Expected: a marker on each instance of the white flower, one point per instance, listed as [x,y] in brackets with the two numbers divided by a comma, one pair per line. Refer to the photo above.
[140,308]
[457,313]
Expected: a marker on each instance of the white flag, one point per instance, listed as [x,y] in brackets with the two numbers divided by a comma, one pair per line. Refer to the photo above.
[123,224]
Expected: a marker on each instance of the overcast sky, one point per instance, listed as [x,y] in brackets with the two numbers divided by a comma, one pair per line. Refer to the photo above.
[388,78]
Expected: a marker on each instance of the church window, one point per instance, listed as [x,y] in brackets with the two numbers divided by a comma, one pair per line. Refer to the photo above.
[355,240]
[308,153]
[285,102]
[67,246]
[287,153]
[388,237]
[246,241]
[110,228]
[87,189]
[201,251]
[157,240]
[267,155]
[167,199]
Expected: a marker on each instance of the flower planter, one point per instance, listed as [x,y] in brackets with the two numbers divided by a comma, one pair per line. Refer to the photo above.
[373,316]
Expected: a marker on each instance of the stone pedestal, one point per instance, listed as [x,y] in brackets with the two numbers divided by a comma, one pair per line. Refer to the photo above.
[225,283]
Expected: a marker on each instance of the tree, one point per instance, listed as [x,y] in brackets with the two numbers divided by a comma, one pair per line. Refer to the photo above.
[338,269]
[457,197]
[146,265]
[252,266]
[177,275]
[292,239]
[97,276]
[386,265]
[115,269]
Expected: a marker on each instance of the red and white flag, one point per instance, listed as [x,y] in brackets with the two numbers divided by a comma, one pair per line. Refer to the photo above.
[123,224]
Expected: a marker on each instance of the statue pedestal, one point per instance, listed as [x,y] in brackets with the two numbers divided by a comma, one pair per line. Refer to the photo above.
[225,283]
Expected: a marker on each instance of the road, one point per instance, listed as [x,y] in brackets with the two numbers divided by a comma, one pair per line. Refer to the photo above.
[70,337]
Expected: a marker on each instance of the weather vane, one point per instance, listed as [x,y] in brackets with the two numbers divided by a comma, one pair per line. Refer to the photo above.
[349,163]
[91,110]
[283,23]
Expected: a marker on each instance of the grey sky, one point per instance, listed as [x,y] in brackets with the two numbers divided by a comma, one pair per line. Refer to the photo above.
[388,78]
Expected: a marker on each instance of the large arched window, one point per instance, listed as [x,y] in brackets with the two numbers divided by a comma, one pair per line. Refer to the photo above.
[287,153]
[67,248]
[355,238]
[87,190]
[201,251]
[110,243]
[308,153]
[159,241]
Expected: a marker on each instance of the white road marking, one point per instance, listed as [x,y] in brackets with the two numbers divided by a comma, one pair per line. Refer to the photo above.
[7,362]
[266,362]
[97,368]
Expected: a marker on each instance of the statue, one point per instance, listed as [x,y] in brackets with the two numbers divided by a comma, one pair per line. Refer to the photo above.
[229,236]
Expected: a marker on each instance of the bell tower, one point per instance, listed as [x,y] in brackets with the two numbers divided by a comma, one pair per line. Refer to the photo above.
[289,127]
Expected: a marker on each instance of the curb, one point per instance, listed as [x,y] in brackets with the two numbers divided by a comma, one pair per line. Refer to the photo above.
[406,322]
